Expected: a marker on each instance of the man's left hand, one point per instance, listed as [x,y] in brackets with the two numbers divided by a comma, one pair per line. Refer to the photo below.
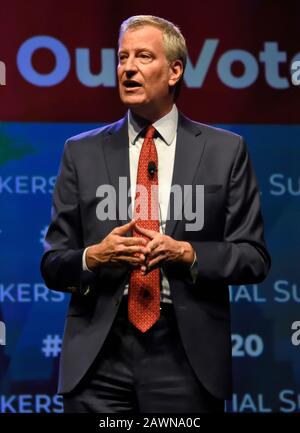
[161,248]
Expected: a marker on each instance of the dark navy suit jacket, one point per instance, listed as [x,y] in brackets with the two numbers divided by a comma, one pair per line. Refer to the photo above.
[230,247]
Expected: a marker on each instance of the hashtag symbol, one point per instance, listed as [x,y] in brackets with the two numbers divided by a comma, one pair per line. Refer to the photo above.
[51,346]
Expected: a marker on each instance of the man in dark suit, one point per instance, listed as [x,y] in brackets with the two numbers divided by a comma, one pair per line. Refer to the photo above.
[148,324]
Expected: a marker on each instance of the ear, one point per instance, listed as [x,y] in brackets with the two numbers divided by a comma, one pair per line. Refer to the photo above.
[176,71]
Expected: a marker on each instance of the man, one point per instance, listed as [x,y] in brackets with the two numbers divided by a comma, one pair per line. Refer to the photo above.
[148,325]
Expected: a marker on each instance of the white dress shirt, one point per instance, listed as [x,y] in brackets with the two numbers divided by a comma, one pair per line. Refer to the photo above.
[165,143]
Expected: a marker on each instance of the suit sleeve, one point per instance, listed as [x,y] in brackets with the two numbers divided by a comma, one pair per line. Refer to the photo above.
[242,258]
[61,264]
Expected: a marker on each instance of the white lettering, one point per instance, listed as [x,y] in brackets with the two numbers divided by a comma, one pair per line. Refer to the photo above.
[2,74]
[2,334]
[296,335]
[295,68]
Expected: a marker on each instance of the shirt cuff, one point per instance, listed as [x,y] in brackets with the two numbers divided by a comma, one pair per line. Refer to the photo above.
[84,265]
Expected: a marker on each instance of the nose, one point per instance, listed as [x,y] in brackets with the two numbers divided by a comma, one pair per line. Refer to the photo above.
[130,67]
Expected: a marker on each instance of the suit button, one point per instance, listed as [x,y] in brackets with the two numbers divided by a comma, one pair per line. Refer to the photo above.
[117,302]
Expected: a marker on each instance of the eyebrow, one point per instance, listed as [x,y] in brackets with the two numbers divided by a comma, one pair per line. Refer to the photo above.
[137,49]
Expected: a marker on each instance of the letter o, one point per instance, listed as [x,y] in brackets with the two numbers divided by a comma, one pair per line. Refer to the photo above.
[25,66]
[224,69]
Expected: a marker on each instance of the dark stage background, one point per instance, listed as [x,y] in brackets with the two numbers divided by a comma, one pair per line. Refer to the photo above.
[58,79]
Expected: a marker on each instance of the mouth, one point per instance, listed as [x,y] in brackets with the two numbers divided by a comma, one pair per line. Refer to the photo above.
[131,84]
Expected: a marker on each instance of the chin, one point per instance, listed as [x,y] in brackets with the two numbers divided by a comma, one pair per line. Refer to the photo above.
[133,98]
[133,102]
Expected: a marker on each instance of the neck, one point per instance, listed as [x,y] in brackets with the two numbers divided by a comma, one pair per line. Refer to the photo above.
[143,117]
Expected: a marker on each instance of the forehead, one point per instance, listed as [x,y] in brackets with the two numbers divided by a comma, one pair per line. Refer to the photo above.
[143,37]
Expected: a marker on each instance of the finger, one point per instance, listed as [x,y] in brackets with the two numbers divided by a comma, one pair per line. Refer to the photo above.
[134,241]
[122,230]
[150,233]
[155,262]
[143,268]
[132,250]
[154,244]
[128,259]
[155,252]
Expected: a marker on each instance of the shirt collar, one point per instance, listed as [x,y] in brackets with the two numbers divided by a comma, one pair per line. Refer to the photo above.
[166,126]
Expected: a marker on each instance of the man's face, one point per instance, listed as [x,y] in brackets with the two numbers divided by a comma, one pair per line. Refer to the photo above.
[145,74]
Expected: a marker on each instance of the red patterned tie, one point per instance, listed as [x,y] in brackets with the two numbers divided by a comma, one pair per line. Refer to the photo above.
[144,290]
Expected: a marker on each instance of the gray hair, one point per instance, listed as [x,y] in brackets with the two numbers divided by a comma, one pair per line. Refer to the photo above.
[174,41]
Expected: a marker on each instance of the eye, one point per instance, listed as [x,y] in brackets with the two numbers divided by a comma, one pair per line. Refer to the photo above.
[145,57]
[122,57]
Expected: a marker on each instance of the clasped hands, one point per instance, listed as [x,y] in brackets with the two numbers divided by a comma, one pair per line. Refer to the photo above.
[117,248]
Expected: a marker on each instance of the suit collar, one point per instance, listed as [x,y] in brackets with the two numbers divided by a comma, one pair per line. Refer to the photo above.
[166,126]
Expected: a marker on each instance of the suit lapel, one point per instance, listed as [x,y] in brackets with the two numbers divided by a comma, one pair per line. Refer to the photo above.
[116,154]
[189,149]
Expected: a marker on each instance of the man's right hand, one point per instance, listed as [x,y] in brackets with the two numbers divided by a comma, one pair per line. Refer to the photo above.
[117,249]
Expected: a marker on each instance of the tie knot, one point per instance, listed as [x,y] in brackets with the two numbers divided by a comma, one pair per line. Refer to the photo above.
[150,131]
